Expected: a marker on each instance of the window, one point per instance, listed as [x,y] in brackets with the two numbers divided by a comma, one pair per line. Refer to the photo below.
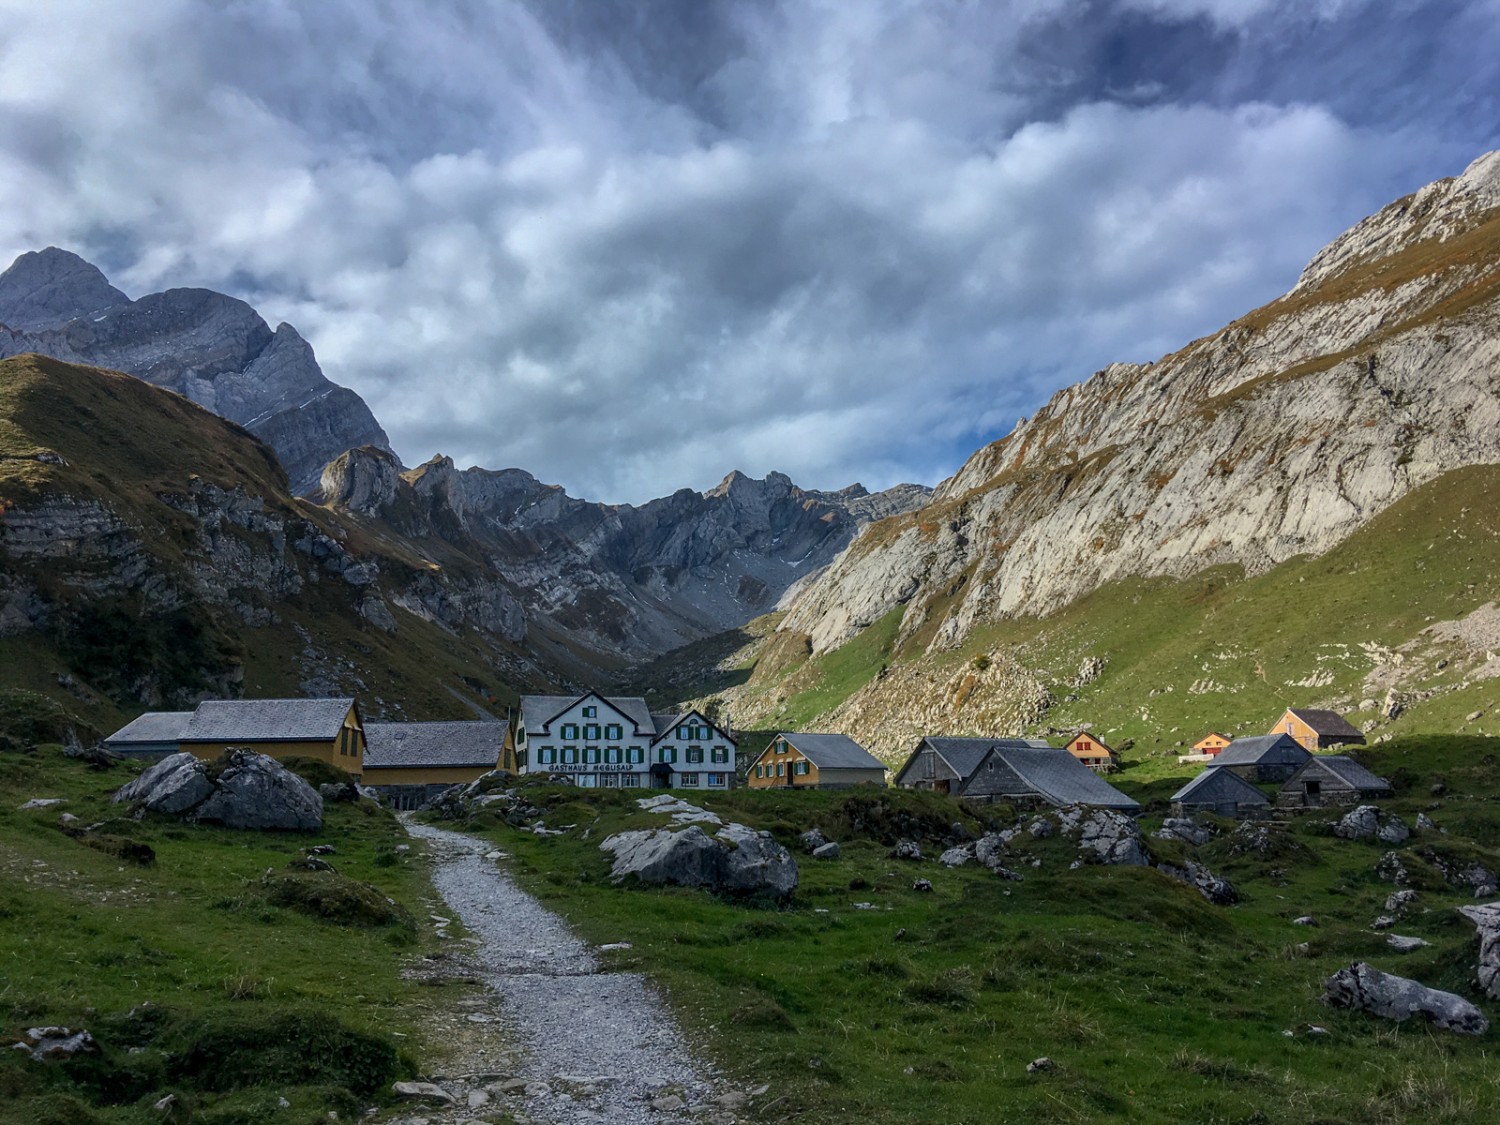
[592,755]
[590,712]
[569,731]
[591,732]
[667,755]
[720,754]
[929,766]
[690,780]
[570,755]
[782,747]
[760,771]
[610,781]
[695,755]
[585,780]
[780,769]
[614,732]
[804,768]
[630,781]
[684,733]
[637,754]
[716,779]
[613,755]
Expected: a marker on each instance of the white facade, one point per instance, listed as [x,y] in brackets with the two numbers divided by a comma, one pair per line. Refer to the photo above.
[616,743]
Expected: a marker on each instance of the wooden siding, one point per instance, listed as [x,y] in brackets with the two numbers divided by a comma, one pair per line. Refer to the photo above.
[770,759]
[916,774]
[994,780]
[352,745]
[1211,744]
[1092,753]
[1310,739]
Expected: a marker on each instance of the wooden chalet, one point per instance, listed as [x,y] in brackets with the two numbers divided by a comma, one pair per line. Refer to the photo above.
[1317,730]
[1212,744]
[1263,757]
[330,730]
[814,761]
[946,765]
[410,763]
[1015,771]
[1093,753]
[1221,792]
[1331,779]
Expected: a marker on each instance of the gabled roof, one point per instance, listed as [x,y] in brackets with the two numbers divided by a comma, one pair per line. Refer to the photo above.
[1263,750]
[267,720]
[1092,737]
[1329,723]
[965,754]
[153,726]
[666,726]
[1348,769]
[1059,777]
[830,751]
[1214,785]
[466,743]
[1213,734]
[538,711]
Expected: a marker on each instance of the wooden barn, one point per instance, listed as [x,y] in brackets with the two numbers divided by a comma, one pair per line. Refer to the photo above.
[1221,792]
[1263,757]
[945,765]
[328,729]
[153,735]
[1331,779]
[1093,753]
[1317,730]
[1012,770]
[1212,744]
[814,761]
[410,763]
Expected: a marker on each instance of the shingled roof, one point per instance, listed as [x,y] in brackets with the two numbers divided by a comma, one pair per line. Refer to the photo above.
[965,754]
[1263,750]
[153,727]
[832,751]
[465,743]
[538,711]
[1329,724]
[1215,785]
[267,720]
[1057,776]
[1351,771]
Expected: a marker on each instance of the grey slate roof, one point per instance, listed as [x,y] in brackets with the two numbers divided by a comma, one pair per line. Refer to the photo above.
[833,751]
[1062,779]
[1329,723]
[1263,750]
[1215,785]
[1351,771]
[539,710]
[965,754]
[153,726]
[467,743]
[267,720]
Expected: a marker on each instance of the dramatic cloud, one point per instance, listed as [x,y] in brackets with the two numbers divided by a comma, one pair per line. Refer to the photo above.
[630,246]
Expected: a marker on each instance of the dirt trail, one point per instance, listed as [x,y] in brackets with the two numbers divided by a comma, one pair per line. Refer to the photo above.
[586,1045]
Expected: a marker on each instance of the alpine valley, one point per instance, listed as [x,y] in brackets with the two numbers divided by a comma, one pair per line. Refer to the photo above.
[1299,509]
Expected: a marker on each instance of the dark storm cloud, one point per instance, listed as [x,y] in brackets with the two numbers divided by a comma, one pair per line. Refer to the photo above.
[632,245]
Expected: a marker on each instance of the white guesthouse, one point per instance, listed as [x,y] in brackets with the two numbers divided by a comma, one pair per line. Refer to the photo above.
[617,743]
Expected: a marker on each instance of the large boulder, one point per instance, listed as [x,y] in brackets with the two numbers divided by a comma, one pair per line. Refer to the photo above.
[1487,918]
[736,859]
[240,789]
[1215,888]
[1366,989]
[1104,835]
[1185,829]
[1358,824]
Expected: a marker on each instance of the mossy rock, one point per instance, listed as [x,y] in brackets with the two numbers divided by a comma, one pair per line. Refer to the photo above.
[331,897]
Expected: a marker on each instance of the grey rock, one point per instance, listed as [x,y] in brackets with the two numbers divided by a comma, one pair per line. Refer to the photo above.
[906,849]
[1403,944]
[422,1091]
[829,850]
[957,857]
[1398,902]
[1425,824]
[1383,922]
[41,803]
[250,791]
[1363,988]
[1305,920]
[989,849]
[1361,823]
[1393,831]
[1041,828]
[812,840]
[1185,829]
[924,885]
[1214,888]
[1392,869]
[1041,1065]
[737,859]
[47,288]
[1111,837]
[47,1044]
[668,1103]
[1487,919]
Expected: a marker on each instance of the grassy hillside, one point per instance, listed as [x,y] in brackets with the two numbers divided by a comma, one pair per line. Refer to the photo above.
[865,999]
[1216,652]
[201,965]
[126,624]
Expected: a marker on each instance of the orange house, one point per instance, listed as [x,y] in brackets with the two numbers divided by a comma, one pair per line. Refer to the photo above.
[1093,753]
[814,761]
[1212,744]
[1317,730]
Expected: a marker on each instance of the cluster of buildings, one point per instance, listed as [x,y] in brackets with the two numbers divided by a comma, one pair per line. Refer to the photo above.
[619,743]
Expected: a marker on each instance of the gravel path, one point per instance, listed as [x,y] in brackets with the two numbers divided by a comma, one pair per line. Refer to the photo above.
[593,1046]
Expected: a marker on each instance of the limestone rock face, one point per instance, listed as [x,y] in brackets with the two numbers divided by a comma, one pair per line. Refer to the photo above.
[212,348]
[1367,989]
[242,789]
[736,859]
[1487,918]
[1277,436]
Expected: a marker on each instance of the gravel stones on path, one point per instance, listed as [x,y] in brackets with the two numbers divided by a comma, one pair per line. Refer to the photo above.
[594,1046]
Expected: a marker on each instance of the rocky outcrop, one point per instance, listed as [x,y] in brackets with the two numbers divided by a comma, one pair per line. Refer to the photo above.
[1214,888]
[735,860]
[212,348]
[1378,373]
[241,789]
[1487,919]
[1366,989]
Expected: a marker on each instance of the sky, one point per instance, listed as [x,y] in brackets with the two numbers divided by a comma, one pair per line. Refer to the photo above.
[631,245]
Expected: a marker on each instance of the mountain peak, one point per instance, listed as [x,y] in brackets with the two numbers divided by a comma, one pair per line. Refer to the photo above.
[47,288]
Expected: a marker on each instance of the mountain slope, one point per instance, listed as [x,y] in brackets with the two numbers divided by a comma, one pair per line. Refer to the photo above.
[1275,437]
[214,349]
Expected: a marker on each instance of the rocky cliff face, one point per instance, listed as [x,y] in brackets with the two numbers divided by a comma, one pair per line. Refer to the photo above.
[623,581]
[211,348]
[1277,436]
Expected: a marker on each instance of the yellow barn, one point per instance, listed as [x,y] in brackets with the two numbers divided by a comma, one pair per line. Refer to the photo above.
[408,763]
[814,761]
[327,729]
